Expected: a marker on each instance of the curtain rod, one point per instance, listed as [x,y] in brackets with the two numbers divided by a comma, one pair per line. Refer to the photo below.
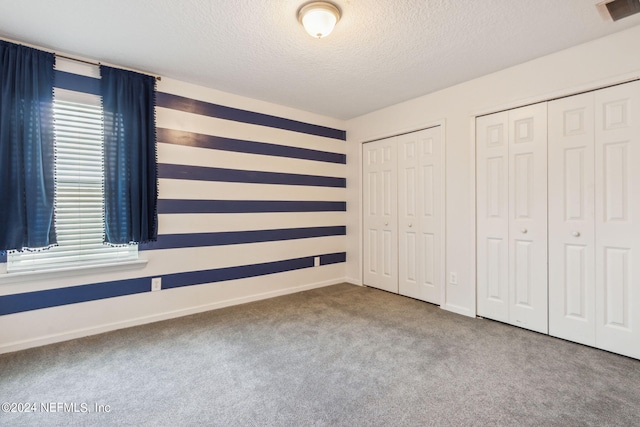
[59,55]
[86,61]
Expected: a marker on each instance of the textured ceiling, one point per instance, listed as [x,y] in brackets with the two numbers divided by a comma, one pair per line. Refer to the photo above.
[382,52]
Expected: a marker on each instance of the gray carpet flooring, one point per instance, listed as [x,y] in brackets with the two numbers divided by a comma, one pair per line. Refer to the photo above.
[341,355]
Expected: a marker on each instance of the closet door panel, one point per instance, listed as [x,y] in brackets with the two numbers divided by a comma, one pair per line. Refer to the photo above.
[430,177]
[408,244]
[380,215]
[571,219]
[617,218]
[492,168]
[527,154]
[419,215]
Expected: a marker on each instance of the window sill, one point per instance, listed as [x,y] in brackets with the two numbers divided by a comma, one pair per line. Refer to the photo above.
[27,276]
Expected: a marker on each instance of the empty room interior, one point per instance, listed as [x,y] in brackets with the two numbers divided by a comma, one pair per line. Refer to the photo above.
[364,212]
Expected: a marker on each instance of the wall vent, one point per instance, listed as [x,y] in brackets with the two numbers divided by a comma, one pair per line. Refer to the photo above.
[618,9]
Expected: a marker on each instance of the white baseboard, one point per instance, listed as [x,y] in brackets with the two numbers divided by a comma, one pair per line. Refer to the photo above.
[353,281]
[94,330]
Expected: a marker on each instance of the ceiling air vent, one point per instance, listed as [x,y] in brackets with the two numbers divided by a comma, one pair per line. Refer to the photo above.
[618,9]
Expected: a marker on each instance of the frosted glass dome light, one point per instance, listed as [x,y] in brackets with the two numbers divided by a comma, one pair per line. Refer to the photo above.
[318,18]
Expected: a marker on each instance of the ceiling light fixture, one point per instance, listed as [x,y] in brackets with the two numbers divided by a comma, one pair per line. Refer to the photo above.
[318,18]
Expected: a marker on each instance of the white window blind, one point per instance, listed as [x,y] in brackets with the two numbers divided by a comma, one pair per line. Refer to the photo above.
[79,191]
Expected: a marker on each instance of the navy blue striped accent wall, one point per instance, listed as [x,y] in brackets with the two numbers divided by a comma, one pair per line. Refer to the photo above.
[302,165]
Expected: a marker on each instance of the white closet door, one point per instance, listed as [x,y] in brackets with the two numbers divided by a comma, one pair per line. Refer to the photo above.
[492,208]
[419,215]
[571,219]
[617,177]
[528,217]
[380,215]
[511,208]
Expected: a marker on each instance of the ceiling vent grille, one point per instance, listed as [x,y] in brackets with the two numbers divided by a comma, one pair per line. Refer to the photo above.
[618,9]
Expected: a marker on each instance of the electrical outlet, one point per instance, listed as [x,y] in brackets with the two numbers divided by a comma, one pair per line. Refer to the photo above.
[156,283]
[316,261]
[453,278]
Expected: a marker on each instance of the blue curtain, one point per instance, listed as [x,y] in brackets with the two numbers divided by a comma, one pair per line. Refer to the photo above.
[26,148]
[131,188]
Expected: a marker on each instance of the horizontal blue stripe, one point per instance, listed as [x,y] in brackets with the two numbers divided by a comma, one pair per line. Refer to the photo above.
[192,139]
[177,206]
[333,258]
[200,173]
[172,241]
[191,278]
[76,82]
[189,105]
[17,303]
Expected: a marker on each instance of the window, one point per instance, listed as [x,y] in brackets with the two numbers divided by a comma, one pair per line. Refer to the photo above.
[79,191]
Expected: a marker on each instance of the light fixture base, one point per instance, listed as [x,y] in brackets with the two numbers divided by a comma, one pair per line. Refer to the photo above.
[319,18]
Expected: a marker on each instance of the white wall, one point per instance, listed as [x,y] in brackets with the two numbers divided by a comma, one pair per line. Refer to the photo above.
[607,60]
[41,326]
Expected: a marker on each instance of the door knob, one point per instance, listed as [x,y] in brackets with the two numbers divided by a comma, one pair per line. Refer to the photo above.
[410,225]
[386,223]
[524,231]
[576,234]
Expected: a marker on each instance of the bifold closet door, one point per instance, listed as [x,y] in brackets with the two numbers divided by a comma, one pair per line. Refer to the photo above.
[512,216]
[572,312]
[617,218]
[594,218]
[419,215]
[402,207]
[380,214]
